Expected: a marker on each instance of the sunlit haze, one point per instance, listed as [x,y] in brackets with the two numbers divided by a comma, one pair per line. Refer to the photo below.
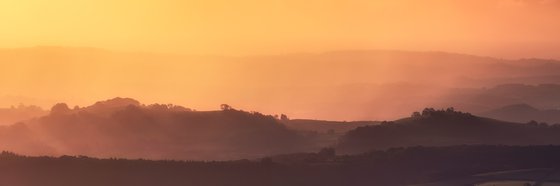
[279,92]
[328,59]
[500,28]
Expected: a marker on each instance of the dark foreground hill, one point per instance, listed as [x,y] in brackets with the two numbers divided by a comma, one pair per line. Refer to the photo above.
[123,127]
[400,166]
[445,128]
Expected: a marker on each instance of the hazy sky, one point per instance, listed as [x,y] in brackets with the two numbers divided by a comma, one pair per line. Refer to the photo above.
[293,84]
[502,28]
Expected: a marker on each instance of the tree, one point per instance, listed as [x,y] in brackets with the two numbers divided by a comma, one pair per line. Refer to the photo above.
[60,108]
[226,107]
[416,115]
[428,111]
[450,109]
[283,117]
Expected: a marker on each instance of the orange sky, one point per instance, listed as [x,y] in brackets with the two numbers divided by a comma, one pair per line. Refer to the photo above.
[499,28]
[503,28]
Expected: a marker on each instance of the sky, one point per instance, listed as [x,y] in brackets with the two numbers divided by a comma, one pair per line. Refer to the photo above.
[141,49]
[500,28]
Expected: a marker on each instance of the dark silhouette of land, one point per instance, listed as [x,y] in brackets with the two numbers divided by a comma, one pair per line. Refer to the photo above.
[446,127]
[461,165]
[432,147]
[123,127]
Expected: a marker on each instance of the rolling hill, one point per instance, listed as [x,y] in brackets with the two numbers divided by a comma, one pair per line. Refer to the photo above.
[122,127]
[524,113]
[323,126]
[481,100]
[337,85]
[22,112]
[446,128]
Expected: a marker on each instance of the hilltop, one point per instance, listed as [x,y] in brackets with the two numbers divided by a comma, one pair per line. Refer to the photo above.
[446,128]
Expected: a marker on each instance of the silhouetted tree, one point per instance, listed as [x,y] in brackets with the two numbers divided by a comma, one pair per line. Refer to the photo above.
[283,117]
[225,107]
[450,109]
[428,111]
[60,108]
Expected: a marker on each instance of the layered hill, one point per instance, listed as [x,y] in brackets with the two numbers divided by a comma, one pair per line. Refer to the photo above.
[338,85]
[446,128]
[524,113]
[123,127]
[480,100]
[14,114]
[323,126]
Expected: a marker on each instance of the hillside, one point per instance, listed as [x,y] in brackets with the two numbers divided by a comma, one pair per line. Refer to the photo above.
[481,100]
[123,127]
[323,126]
[14,114]
[324,133]
[524,113]
[446,128]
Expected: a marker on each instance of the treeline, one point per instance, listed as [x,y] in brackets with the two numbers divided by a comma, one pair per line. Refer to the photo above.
[397,166]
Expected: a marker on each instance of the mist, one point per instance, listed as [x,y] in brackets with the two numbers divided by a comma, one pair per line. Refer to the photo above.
[340,85]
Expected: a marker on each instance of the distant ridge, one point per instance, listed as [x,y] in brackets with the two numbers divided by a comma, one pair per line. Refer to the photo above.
[524,113]
[337,85]
[446,128]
